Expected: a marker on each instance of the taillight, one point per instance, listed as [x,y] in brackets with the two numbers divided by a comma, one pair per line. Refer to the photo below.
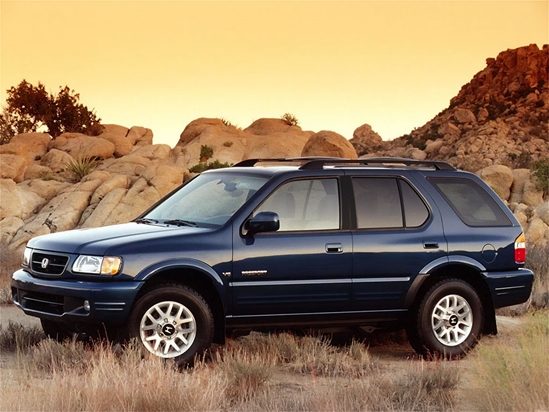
[520,249]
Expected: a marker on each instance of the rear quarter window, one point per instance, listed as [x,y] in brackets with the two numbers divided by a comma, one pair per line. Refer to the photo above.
[474,206]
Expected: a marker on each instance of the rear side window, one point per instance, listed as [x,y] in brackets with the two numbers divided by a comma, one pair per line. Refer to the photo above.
[474,206]
[379,204]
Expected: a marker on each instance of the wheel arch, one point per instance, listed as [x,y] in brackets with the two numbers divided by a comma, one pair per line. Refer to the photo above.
[467,270]
[196,279]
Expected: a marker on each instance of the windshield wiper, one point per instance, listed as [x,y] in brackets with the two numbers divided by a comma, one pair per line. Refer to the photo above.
[146,221]
[179,222]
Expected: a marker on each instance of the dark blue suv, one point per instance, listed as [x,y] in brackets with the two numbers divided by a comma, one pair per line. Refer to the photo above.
[308,242]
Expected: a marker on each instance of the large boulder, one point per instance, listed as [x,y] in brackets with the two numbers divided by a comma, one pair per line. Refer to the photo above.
[10,204]
[263,127]
[330,144]
[80,146]
[35,143]
[499,178]
[277,145]
[140,136]
[122,145]
[463,115]
[56,160]
[197,127]
[13,166]
[365,139]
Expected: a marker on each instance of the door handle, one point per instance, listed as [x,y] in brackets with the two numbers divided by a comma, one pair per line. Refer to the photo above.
[334,248]
[430,245]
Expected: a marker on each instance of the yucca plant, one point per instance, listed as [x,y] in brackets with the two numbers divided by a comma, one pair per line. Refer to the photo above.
[82,167]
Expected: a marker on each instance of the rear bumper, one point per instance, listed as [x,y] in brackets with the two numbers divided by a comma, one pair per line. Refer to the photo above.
[63,300]
[509,288]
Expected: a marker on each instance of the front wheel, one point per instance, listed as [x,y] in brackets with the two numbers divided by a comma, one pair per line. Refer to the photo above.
[448,321]
[172,322]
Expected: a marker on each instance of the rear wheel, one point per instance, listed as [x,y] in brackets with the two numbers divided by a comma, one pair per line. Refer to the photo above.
[172,322]
[448,321]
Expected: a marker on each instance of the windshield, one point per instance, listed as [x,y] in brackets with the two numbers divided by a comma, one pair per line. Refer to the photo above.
[207,200]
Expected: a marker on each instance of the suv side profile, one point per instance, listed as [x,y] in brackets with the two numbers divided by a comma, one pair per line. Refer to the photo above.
[303,242]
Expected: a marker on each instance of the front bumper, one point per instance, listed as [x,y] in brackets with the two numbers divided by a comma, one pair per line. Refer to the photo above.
[509,288]
[63,300]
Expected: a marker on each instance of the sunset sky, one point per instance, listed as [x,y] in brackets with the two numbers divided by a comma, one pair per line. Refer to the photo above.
[334,64]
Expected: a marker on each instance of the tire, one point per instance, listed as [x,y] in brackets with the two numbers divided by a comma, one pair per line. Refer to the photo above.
[56,330]
[448,321]
[172,322]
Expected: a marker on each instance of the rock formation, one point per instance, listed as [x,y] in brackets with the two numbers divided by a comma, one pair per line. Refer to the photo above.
[496,126]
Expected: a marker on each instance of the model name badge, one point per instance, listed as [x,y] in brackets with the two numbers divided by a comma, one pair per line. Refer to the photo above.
[253,272]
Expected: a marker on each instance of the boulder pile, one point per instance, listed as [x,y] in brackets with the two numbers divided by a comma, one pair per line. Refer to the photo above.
[497,127]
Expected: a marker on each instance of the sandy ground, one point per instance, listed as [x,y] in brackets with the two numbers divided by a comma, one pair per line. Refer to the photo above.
[13,313]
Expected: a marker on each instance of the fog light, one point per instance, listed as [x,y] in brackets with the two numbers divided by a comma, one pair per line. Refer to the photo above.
[87,305]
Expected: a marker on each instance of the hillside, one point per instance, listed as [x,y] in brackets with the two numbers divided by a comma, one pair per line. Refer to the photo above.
[497,126]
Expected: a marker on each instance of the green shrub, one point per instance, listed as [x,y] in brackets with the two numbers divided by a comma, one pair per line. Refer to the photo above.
[541,171]
[202,167]
[206,152]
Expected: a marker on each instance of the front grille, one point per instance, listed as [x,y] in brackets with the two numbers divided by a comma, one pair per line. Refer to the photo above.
[48,264]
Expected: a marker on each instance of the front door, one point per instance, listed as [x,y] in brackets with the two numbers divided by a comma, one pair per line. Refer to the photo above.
[305,266]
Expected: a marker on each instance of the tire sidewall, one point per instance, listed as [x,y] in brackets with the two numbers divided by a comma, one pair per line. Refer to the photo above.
[426,334]
[192,301]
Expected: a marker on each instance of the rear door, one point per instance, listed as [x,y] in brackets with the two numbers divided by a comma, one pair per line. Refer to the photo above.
[398,233]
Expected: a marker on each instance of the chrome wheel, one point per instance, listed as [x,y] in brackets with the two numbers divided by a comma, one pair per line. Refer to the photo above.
[452,320]
[167,329]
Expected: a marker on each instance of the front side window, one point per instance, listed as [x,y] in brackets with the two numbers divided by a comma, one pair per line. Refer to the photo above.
[473,205]
[305,205]
[209,199]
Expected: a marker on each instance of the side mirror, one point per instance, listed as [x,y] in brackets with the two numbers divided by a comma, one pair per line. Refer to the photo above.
[262,222]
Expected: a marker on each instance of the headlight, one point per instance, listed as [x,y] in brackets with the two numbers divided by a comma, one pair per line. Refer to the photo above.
[97,265]
[26,257]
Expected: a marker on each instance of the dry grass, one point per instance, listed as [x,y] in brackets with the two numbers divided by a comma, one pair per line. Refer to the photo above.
[9,263]
[279,372]
[513,374]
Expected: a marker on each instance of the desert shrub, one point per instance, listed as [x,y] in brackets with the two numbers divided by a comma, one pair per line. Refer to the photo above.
[541,171]
[82,167]
[228,143]
[18,337]
[511,375]
[226,122]
[520,161]
[206,152]
[202,167]
[290,119]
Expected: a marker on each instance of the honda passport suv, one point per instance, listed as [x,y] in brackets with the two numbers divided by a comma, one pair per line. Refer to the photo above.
[294,243]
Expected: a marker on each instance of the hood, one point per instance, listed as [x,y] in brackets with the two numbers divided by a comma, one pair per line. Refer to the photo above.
[98,241]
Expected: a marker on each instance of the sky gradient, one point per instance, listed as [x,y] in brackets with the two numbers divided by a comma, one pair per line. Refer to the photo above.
[334,65]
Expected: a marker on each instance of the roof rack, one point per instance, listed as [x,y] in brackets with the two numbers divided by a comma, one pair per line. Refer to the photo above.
[318,162]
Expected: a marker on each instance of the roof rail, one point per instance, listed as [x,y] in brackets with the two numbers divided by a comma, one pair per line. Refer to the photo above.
[252,162]
[318,162]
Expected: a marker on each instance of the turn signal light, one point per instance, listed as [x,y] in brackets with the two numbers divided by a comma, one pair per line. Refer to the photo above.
[520,249]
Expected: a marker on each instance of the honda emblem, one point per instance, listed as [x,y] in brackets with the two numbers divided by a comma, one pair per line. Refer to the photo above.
[45,263]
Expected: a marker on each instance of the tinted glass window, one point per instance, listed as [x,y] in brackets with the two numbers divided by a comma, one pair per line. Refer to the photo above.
[377,203]
[415,211]
[305,205]
[471,202]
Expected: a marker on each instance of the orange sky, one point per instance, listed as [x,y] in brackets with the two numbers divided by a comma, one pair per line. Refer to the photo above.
[334,65]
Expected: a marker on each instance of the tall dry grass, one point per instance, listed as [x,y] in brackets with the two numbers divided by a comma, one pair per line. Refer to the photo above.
[9,263]
[259,372]
[513,374]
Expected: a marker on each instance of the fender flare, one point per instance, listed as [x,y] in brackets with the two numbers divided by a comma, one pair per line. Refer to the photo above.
[428,269]
[193,264]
